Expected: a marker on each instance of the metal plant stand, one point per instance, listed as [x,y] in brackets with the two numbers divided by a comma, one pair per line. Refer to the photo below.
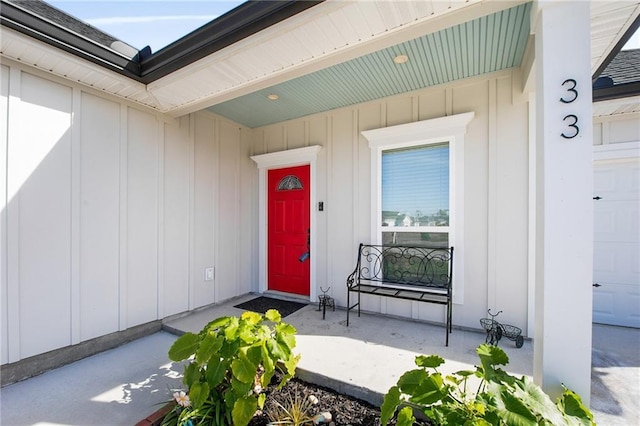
[495,331]
[325,300]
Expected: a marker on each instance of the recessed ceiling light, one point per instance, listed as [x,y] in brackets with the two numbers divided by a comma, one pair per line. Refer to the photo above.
[273,96]
[400,59]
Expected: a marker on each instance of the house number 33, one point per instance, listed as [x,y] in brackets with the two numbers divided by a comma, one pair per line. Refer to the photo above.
[570,120]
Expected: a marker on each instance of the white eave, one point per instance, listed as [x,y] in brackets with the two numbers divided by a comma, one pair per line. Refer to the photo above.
[324,35]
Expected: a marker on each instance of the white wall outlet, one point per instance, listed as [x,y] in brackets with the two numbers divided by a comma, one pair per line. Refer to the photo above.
[208,274]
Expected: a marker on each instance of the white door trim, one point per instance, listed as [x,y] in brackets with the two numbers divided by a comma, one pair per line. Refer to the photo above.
[278,160]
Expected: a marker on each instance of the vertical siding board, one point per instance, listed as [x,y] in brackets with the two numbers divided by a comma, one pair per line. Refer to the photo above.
[4,275]
[228,211]
[44,191]
[274,138]
[342,193]
[318,135]
[493,173]
[205,165]
[123,219]
[160,284]
[296,137]
[142,208]
[473,97]
[512,206]
[399,111]
[13,216]
[248,274]
[431,104]
[76,120]
[99,211]
[176,207]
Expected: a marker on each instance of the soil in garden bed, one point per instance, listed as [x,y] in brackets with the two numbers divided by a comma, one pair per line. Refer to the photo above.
[345,410]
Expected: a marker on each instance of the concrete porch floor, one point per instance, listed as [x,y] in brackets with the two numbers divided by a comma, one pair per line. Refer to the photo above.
[126,384]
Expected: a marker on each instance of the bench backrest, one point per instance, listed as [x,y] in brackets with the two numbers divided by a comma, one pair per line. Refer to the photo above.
[405,265]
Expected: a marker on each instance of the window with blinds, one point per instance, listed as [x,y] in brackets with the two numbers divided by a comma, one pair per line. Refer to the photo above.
[415,191]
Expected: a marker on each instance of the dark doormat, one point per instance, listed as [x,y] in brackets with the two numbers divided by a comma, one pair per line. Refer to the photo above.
[262,304]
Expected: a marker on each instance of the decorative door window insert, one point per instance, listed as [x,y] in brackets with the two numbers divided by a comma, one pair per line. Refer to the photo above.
[289,182]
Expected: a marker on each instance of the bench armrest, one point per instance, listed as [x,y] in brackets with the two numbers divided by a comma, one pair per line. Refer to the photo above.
[352,278]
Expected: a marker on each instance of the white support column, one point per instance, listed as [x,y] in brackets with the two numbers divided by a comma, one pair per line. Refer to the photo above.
[564,210]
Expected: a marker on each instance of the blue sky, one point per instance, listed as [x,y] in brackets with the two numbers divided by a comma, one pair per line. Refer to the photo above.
[156,23]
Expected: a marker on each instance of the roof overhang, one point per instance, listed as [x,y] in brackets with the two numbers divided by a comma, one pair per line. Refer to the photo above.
[263,44]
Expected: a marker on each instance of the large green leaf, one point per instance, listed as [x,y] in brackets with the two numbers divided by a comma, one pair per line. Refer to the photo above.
[243,410]
[243,369]
[230,349]
[539,402]
[217,323]
[262,398]
[216,371]
[571,404]
[241,388]
[410,380]
[251,318]
[431,361]
[198,394]
[185,346]
[430,390]
[290,364]
[191,374]
[273,315]
[267,361]
[389,405]
[285,335]
[278,349]
[231,330]
[246,335]
[254,353]
[514,412]
[285,328]
[266,377]
[209,346]
[405,417]
[490,357]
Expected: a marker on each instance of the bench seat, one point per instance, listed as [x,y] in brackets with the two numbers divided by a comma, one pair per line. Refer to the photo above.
[419,274]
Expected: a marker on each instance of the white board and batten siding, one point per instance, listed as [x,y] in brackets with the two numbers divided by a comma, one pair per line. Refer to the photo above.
[111,213]
[617,221]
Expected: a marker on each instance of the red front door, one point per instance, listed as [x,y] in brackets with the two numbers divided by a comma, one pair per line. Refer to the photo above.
[289,230]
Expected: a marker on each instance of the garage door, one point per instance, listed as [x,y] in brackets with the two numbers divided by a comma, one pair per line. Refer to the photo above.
[617,242]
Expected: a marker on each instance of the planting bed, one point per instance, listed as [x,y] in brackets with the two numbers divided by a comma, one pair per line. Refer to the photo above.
[345,410]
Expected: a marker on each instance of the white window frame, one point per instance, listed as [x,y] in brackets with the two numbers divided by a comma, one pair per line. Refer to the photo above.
[450,129]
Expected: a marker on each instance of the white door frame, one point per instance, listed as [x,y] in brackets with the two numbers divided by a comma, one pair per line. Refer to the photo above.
[278,160]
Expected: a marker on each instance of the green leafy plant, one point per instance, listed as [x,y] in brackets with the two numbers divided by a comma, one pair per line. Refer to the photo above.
[231,360]
[295,411]
[500,399]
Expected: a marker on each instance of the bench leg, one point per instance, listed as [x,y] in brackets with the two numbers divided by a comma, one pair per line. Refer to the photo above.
[348,305]
[448,326]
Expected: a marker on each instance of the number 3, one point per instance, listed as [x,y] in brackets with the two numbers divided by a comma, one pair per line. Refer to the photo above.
[571,89]
[573,125]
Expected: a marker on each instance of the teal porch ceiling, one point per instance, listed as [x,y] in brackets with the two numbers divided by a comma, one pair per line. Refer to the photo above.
[484,45]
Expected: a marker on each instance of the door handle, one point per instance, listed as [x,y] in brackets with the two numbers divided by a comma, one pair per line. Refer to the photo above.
[597,285]
[305,256]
